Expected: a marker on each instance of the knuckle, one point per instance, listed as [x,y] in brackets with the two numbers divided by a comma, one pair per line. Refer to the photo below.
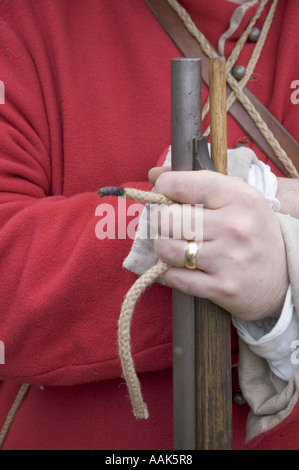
[244,224]
[250,197]
[228,288]
[242,229]
[161,248]
[237,179]
[167,250]
[181,187]
[237,227]
[166,220]
[161,180]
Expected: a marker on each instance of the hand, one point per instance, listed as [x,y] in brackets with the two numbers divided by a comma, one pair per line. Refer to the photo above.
[241,264]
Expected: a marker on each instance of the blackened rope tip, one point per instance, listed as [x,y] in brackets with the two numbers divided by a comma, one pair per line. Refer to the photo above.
[111,191]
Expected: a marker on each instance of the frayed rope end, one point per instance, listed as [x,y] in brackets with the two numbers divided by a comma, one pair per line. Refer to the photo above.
[111,191]
[141,413]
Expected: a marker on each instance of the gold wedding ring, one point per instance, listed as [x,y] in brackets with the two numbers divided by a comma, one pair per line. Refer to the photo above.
[190,255]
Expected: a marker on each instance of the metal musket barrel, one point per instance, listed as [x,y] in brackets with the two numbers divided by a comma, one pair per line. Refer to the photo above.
[201,329]
[186,124]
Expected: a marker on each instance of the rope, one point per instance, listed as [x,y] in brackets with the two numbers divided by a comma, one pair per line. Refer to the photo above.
[256,52]
[124,338]
[244,37]
[12,412]
[144,196]
[124,323]
[264,129]
[237,87]
[235,54]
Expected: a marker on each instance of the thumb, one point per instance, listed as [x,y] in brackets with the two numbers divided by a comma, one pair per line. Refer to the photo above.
[154,173]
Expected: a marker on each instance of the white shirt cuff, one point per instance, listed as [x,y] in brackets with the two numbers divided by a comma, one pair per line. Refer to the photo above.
[274,340]
[261,177]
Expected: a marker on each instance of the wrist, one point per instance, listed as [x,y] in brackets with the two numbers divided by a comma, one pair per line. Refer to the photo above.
[288,194]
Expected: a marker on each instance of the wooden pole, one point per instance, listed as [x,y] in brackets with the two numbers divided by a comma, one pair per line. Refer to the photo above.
[218,119]
[214,396]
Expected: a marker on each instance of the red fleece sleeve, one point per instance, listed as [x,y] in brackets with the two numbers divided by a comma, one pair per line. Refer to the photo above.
[61,287]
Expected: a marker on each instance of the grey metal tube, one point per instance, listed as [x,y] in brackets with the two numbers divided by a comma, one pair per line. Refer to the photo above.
[185,125]
[185,110]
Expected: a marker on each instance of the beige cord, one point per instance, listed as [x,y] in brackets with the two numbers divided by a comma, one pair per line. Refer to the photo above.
[143,282]
[12,412]
[124,338]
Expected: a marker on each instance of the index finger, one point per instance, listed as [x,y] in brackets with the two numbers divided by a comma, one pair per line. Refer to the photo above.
[209,188]
[155,172]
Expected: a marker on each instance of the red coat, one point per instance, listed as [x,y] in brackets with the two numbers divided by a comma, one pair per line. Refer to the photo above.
[87,104]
